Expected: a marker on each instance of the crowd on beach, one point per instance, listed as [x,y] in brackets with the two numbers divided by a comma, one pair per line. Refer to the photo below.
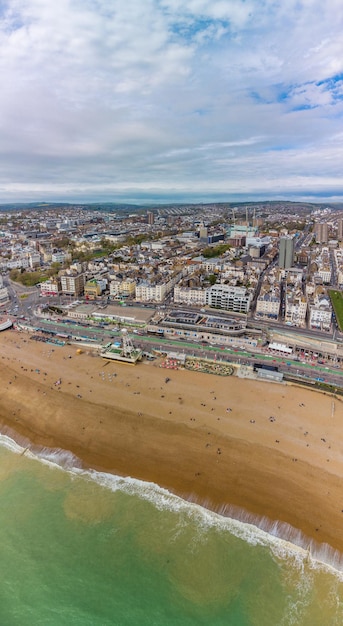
[281,426]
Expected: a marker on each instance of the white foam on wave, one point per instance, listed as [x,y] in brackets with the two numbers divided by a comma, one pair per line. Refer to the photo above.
[284,541]
[56,457]
[10,444]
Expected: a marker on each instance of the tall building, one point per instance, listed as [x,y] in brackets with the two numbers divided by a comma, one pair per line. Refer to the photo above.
[203,233]
[286,252]
[340,229]
[73,284]
[151,217]
[321,231]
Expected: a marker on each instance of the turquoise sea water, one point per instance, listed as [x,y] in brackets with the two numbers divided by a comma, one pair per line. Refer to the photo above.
[80,548]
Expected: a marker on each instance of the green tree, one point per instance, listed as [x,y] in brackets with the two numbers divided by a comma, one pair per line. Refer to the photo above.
[63,243]
[211,252]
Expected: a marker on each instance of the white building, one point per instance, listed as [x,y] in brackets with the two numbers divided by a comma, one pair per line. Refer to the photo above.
[320,312]
[321,316]
[50,287]
[268,305]
[235,299]
[231,271]
[325,274]
[60,257]
[212,265]
[34,259]
[296,307]
[4,297]
[146,292]
[187,295]
[21,262]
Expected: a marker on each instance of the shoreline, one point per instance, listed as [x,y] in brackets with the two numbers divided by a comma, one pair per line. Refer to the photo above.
[180,435]
[285,536]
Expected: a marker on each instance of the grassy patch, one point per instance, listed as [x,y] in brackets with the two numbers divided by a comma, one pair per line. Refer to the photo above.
[337,303]
[210,253]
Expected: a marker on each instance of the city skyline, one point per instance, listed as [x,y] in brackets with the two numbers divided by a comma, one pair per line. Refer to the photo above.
[168,101]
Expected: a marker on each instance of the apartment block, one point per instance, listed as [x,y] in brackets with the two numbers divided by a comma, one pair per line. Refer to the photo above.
[187,295]
[286,252]
[268,305]
[296,308]
[73,284]
[321,231]
[236,299]
[146,292]
[320,316]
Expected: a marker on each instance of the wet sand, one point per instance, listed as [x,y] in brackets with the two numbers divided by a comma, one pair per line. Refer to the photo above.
[273,450]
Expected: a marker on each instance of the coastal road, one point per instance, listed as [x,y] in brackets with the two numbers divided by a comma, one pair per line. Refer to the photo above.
[326,373]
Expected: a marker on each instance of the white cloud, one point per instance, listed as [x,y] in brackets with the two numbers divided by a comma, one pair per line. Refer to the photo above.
[170,96]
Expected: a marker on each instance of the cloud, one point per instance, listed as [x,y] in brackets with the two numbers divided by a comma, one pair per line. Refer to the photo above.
[169,97]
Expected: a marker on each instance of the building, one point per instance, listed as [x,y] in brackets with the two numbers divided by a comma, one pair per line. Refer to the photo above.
[51,287]
[302,257]
[128,288]
[321,231]
[123,288]
[286,252]
[324,274]
[156,292]
[340,229]
[268,305]
[4,297]
[146,292]
[60,257]
[296,307]
[268,372]
[215,237]
[150,218]
[232,271]
[191,296]
[18,262]
[321,315]
[293,275]
[34,259]
[92,289]
[73,284]
[256,251]
[236,299]
[203,233]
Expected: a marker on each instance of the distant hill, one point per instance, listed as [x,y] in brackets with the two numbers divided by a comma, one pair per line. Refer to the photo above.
[277,205]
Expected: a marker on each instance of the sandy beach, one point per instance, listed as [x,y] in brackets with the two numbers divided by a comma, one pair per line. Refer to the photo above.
[273,450]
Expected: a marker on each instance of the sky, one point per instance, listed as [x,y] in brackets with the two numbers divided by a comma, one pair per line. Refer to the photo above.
[171,100]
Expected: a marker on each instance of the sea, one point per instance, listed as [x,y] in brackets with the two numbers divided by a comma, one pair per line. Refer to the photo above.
[84,548]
